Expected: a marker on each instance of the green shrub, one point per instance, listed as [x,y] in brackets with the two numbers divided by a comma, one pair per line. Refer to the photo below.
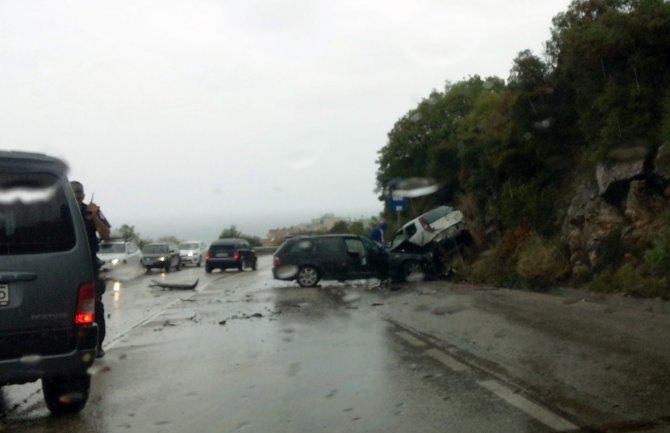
[631,281]
[657,258]
[542,263]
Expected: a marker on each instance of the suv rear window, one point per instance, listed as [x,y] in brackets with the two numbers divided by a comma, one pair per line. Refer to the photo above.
[155,249]
[34,215]
[435,214]
[223,248]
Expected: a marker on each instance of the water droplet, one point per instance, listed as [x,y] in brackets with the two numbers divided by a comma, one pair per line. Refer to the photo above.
[416,277]
[26,195]
[527,136]
[415,187]
[288,271]
[86,358]
[30,359]
[544,124]
[415,117]
[71,397]
[97,369]
[351,297]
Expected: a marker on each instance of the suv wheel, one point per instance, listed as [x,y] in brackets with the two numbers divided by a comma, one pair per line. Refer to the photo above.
[167,266]
[253,266]
[67,394]
[308,276]
[242,265]
[208,269]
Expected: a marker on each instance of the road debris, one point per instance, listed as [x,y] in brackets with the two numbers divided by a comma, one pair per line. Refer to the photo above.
[168,286]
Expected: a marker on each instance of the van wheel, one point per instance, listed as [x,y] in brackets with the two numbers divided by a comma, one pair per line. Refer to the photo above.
[308,276]
[67,394]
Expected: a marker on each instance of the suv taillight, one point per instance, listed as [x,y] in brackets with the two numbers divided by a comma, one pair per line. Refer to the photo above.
[426,226]
[208,258]
[85,305]
[237,256]
[277,262]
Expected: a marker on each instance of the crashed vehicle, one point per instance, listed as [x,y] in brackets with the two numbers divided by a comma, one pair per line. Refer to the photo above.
[409,262]
[436,225]
[420,246]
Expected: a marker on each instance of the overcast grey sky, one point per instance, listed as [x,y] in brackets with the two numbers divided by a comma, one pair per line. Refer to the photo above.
[183,113]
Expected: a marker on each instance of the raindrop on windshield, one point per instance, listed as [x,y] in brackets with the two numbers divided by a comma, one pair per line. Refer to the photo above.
[544,124]
[30,359]
[26,195]
[71,397]
[416,277]
[351,297]
[416,187]
[97,369]
[415,117]
[288,271]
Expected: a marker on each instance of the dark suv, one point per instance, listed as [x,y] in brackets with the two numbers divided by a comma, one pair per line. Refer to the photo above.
[310,259]
[161,255]
[47,294]
[230,253]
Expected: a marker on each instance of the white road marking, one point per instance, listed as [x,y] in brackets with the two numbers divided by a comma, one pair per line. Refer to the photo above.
[410,339]
[543,415]
[447,360]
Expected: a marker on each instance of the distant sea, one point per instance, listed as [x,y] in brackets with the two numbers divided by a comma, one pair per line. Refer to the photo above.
[208,228]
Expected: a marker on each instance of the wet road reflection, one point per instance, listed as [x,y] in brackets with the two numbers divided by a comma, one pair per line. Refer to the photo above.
[253,354]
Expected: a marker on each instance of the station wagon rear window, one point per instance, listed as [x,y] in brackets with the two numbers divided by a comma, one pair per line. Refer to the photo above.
[34,215]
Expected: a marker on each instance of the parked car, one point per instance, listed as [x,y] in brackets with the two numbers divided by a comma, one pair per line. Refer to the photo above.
[230,253]
[47,293]
[436,225]
[161,255]
[114,254]
[192,252]
[310,259]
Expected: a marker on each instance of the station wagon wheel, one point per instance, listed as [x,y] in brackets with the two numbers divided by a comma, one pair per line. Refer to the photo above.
[412,267]
[308,276]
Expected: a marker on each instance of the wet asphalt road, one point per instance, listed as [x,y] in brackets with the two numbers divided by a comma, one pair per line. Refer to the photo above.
[247,353]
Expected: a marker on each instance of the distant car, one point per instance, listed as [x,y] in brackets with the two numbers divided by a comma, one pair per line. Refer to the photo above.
[47,290]
[116,254]
[192,252]
[230,253]
[436,225]
[310,259]
[161,255]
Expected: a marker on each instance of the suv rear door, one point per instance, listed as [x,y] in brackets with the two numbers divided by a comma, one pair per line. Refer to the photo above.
[41,235]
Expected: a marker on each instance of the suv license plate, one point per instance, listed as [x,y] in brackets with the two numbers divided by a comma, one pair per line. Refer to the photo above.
[4,294]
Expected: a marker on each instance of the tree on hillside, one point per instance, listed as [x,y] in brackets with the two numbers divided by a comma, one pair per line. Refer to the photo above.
[340,227]
[612,57]
[128,233]
[230,232]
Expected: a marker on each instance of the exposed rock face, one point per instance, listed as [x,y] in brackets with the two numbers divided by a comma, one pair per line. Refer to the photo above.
[662,162]
[619,203]
[590,223]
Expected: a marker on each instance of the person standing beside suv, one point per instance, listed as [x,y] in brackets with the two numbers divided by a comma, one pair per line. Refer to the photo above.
[96,225]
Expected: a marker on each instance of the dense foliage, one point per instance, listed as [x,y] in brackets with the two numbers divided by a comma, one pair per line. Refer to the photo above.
[512,148]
